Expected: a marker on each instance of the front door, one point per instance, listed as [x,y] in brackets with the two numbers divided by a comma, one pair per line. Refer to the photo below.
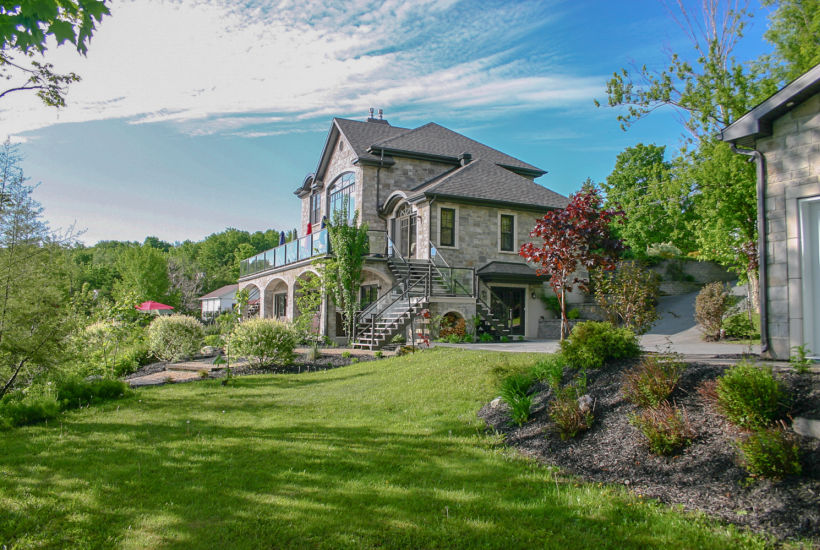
[508,305]
[404,231]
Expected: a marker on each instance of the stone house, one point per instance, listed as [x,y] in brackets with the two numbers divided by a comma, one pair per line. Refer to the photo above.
[446,217]
[782,135]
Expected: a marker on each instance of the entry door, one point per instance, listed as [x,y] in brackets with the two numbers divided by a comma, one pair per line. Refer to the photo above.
[407,236]
[513,299]
[810,214]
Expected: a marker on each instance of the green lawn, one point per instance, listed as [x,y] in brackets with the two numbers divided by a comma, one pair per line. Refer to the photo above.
[386,453]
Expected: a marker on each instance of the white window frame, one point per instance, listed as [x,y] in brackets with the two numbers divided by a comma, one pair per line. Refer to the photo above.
[455,227]
[515,233]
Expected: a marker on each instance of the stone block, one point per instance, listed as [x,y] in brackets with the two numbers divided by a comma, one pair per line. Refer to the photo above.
[777,274]
[779,348]
[807,427]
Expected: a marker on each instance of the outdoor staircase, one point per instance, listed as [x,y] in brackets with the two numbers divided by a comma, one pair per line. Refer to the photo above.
[418,281]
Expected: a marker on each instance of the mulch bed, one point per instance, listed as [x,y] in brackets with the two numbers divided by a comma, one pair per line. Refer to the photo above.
[704,476]
[301,364]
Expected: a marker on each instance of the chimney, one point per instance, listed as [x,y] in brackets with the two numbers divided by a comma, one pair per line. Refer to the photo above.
[380,120]
[465,158]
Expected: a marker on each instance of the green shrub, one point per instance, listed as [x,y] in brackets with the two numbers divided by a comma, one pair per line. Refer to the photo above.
[770,452]
[710,305]
[592,343]
[174,337]
[21,410]
[628,295]
[398,339]
[213,340]
[665,427]
[551,303]
[262,342]
[468,339]
[749,396]
[573,314]
[131,356]
[454,338]
[566,412]
[504,339]
[514,390]
[799,359]
[346,354]
[653,380]
[379,354]
[76,392]
[550,370]
[486,337]
[739,326]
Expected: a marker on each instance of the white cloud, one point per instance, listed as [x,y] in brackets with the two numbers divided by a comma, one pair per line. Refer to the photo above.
[215,66]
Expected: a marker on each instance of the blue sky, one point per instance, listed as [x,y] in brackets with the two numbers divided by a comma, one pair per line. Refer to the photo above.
[197,115]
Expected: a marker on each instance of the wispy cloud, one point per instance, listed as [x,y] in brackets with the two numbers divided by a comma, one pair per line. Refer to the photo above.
[253,69]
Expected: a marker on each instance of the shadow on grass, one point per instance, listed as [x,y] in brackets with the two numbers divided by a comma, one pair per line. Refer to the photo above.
[170,469]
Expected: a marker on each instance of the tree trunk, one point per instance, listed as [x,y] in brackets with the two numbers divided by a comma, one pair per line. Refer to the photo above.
[564,321]
[13,378]
[754,289]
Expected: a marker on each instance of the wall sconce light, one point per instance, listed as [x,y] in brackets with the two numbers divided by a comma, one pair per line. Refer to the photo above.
[532,295]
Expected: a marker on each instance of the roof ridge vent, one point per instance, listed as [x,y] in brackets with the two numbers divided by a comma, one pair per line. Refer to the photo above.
[465,158]
[380,120]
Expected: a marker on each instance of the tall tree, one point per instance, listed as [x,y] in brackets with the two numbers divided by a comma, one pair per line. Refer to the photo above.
[34,312]
[143,271]
[25,28]
[342,273]
[658,207]
[574,238]
[794,31]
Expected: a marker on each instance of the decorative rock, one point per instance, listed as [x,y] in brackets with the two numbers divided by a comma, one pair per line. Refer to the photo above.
[585,403]
[207,351]
[495,403]
[808,427]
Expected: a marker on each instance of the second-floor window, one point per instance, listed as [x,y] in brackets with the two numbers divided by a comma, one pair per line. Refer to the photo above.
[507,233]
[342,197]
[447,231]
[315,207]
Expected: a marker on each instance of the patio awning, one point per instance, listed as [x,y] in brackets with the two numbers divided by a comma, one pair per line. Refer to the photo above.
[509,272]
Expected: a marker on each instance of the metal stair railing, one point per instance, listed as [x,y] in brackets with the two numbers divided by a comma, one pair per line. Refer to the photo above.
[447,275]
[506,319]
[372,316]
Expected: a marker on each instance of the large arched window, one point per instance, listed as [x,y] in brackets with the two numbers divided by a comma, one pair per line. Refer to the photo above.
[342,198]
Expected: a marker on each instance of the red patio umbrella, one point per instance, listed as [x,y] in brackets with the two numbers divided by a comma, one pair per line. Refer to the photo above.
[309,229]
[150,305]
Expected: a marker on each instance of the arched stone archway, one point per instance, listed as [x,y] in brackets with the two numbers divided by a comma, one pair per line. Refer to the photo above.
[254,294]
[276,299]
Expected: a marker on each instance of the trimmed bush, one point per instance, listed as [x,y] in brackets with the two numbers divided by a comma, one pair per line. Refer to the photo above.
[710,305]
[262,342]
[665,427]
[550,370]
[514,392]
[771,453]
[174,337]
[592,343]
[749,396]
[653,380]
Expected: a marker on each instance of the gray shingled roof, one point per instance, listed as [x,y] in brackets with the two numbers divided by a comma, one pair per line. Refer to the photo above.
[219,292]
[361,135]
[508,271]
[483,180]
[433,139]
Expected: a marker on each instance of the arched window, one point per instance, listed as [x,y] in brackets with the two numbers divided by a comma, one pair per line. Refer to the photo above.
[342,198]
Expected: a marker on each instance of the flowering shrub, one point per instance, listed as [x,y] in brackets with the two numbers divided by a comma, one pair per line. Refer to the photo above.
[263,341]
[174,337]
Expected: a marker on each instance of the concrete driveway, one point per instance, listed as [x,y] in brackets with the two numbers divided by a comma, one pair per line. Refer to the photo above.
[674,331]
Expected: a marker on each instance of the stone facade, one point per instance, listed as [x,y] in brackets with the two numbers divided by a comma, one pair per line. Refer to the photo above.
[380,191]
[792,156]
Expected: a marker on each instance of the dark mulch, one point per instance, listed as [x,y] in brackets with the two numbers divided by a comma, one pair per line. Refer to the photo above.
[145,370]
[705,476]
[301,364]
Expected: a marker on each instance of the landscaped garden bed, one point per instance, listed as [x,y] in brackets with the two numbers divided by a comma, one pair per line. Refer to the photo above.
[705,475]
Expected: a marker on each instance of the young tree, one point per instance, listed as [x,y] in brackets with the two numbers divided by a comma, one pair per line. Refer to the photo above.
[308,302]
[578,236]
[658,206]
[628,295]
[34,315]
[342,272]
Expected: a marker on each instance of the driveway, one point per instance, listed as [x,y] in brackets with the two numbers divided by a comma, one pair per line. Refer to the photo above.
[675,331]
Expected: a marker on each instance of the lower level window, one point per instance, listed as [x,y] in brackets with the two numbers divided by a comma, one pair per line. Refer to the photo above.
[280,305]
[368,294]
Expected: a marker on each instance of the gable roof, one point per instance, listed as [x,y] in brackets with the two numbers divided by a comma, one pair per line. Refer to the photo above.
[220,292]
[438,141]
[485,182]
[758,122]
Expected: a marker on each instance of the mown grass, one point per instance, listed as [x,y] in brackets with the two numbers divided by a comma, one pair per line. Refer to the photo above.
[386,454]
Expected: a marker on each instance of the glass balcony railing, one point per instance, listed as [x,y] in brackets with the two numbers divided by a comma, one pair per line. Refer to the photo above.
[303,248]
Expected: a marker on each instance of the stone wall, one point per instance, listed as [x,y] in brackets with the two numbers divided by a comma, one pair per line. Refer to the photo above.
[792,156]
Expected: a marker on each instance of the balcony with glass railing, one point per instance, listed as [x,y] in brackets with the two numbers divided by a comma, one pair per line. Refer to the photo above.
[303,248]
